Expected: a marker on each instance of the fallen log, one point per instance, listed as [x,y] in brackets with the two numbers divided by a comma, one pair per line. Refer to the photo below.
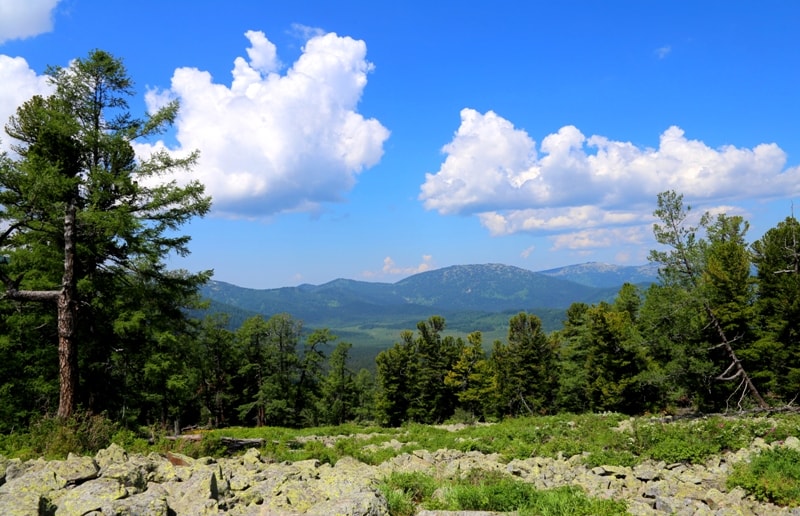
[237,444]
[231,443]
[185,437]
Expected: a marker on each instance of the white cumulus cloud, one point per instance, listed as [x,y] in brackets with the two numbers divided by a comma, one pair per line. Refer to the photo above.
[602,237]
[25,18]
[274,142]
[390,267]
[527,251]
[20,83]
[571,182]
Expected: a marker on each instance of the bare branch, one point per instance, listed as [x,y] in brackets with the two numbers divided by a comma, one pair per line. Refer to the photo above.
[728,370]
[742,387]
[729,378]
[32,295]
[741,398]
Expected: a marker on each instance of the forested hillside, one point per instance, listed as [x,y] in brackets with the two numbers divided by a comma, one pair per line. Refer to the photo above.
[471,298]
[97,324]
[488,288]
[708,336]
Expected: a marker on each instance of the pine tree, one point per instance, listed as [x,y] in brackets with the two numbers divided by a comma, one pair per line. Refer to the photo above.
[525,368]
[776,354]
[338,401]
[80,211]
[695,265]
[471,378]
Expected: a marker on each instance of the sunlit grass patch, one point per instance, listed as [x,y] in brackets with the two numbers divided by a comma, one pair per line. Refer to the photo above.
[600,439]
[488,491]
[772,476]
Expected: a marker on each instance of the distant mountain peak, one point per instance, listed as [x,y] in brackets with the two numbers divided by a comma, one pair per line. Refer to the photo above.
[597,274]
[477,297]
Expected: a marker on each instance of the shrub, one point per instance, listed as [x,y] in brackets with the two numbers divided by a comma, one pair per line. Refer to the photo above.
[573,501]
[130,441]
[497,492]
[772,476]
[54,438]
[419,486]
[481,490]
[610,457]
[405,491]
[675,442]
[488,491]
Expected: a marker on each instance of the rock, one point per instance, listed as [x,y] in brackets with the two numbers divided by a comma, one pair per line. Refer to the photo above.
[373,505]
[131,475]
[90,496]
[151,502]
[3,464]
[714,498]
[617,471]
[76,470]
[36,480]
[114,482]
[114,454]
[15,468]
[251,460]
[260,490]
[646,473]
[25,504]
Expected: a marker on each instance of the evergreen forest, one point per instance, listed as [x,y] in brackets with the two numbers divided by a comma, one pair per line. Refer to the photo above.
[94,322]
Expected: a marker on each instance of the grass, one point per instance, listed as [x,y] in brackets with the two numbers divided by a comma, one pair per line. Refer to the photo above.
[698,440]
[772,476]
[601,439]
[598,439]
[488,491]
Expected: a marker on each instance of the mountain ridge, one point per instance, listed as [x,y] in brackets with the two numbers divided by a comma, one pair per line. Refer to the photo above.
[477,297]
[606,274]
[491,287]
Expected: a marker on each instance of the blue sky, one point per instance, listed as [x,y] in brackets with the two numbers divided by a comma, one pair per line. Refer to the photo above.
[372,140]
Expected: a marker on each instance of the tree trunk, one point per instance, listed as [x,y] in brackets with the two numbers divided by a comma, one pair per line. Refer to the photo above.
[735,363]
[65,299]
[690,271]
[67,347]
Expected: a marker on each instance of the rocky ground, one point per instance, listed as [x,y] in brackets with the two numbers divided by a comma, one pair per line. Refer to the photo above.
[114,482]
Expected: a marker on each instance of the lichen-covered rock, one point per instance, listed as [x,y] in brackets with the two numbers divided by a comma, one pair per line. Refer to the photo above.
[76,469]
[16,468]
[38,480]
[116,483]
[88,497]
[114,454]
[151,502]
[133,476]
[28,503]
[3,465]
[199,494]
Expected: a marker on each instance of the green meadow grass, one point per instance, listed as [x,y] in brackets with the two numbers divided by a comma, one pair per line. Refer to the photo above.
[488,491]
[598,439]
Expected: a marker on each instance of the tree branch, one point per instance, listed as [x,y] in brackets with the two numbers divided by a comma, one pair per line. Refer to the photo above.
[728,370]
[32,295]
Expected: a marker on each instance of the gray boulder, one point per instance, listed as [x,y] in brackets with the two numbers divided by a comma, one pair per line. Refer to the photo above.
[116,483]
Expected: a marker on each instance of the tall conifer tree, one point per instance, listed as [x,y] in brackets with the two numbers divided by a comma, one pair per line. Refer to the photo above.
[80,212]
